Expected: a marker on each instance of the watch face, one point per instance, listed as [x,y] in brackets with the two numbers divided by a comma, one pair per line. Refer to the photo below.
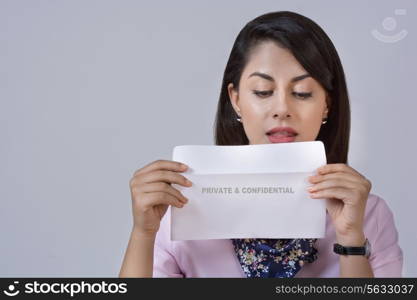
[367,248]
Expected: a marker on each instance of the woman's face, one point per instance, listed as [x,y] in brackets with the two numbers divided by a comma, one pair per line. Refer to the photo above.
[286,96]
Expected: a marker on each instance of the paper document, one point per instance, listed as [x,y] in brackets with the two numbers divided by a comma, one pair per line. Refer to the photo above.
[249,191]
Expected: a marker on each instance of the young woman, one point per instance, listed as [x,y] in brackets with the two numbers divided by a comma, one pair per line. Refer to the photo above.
[283,71]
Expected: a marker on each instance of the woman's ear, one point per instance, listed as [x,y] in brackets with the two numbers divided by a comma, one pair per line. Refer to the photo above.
[234,98]
[328,105]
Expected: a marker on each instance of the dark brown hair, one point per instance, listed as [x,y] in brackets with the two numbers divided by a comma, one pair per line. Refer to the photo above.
[314,50]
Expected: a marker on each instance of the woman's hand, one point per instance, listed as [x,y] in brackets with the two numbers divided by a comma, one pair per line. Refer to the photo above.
[151,193]
[346,192]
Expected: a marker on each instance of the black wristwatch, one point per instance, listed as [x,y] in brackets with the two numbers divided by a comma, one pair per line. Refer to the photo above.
[365,250]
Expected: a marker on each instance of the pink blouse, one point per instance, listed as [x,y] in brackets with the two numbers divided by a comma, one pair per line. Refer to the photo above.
[217,258]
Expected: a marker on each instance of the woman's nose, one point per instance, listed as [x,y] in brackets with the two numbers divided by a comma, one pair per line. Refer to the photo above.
[280,105]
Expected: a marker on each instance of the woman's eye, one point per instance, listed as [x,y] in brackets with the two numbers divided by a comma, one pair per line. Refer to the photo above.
[302,95]
[263,93]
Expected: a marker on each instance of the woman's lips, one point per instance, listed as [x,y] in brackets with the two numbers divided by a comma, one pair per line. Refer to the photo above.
[281,138]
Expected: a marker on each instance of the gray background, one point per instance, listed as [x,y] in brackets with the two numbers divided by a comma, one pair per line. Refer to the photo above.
[90,91]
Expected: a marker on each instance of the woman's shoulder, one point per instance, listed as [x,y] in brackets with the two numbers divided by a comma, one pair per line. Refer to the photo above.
[376,206]
[380,229]
[379,220]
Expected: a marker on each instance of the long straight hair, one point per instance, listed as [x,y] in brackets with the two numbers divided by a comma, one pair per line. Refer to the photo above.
[314,50]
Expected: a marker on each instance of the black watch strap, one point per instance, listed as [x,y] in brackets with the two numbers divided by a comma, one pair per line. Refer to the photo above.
[339,249]
[345,250]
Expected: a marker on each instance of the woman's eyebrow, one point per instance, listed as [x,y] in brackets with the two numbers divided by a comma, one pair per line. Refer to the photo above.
[301,77]
[270,78]
[262,75]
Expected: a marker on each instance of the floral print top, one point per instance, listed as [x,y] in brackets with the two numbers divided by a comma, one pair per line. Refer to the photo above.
[276,258]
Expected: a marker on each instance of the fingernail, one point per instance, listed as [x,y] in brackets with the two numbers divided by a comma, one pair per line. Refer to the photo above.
[184,167]
[189,182]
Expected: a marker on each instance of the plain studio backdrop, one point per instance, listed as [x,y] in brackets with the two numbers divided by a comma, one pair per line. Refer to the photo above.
[91,91]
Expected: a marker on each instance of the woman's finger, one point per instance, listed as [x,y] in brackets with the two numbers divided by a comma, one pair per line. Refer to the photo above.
[332,183]
[161,164]
[339,193]
[338,175]
[166,176]
[158,198]
[161,176]
[163,187]
[332,168]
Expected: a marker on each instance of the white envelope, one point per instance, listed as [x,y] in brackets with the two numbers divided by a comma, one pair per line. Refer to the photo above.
[249,191]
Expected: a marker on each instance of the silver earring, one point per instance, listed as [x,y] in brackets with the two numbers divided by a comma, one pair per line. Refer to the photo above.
[239,119]
[324,121]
